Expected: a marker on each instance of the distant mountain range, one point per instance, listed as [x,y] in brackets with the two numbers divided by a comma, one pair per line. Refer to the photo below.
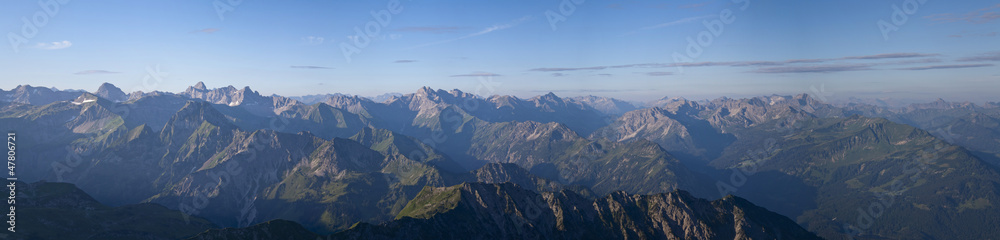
[594,167]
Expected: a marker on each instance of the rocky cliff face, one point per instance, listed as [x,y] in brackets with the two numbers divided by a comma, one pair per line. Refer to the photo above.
[505,211]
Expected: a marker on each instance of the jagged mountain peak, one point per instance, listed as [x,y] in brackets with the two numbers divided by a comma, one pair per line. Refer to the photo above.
[247,89]
[669,99]
[550,97]
[107,85]
[440,94]
[425,90]
[231,96]
[111,92]
[427,93]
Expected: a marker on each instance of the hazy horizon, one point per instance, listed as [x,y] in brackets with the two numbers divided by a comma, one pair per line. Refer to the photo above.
[818,95]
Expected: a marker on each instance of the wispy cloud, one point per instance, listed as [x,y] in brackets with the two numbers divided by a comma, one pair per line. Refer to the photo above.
[499,27]
[974,34]
[983,15]
[567,69]
[893,55]
[754,63]
[849,63]
[405,61]
[314,40]
[656,74]
[677,22]
[206,30]
[436,30]
[914,61]
[985,57]
[816,60]
[816,68]
[948,66]
[88,72]
[477,74]
[54,45]
[311,67]
[490,29]
[642,65]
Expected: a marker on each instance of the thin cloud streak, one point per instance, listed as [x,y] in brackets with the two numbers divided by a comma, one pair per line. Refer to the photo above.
[979,16]
[477,74]
[311,67]
[787,66]
[893,55]
[89,72]
[482,32]
[436,30]
[677,22]
[566,69]
[657,74]
[947,67]
[816,68]
[985,57]
[54,45]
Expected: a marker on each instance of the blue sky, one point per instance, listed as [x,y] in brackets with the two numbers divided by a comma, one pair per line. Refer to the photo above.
[623,49]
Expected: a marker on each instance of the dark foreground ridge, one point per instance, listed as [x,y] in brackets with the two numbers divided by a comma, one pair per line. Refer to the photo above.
[48,210]
[507,211]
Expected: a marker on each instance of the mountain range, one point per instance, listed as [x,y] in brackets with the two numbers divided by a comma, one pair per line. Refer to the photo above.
[447,164]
